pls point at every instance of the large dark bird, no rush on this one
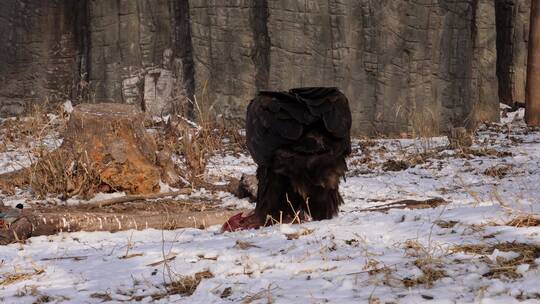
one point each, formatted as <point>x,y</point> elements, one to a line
<point>299,140</point>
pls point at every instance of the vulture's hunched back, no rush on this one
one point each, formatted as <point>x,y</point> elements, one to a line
<point>299,140</point>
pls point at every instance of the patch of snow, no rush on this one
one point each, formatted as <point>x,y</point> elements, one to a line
<point>506,255</point>
<point>67,107</point>
<point>105,196</point>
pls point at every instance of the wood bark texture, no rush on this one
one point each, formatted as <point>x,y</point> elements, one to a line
<point>114,142</point>
<point>532,108</point>
<point>32,224</point>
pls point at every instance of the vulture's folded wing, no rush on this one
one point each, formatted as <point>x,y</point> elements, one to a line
<point>297,119</point>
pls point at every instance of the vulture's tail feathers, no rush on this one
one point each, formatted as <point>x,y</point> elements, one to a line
<point>270,194</point>
<point>324,203</point>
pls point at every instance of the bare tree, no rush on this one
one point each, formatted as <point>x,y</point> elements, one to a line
<point>532,109</point>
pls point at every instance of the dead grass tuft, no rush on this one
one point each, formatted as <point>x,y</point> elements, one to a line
<point>195,143</point>
<point>498,171</point>
<point>57,172</point>
<point>105,297</point>
<point>430,274</point>
<point>460,138</point>
<point>503,268</point>
<point>445,224</point>
<point>430,266</point>
<point>187,285</point>
<point>484,152</point>
<point>395,165</point>
<point>524,221</point>
<point>12,278</point>
<point>365,144</point>
<point>43,299</point>
<point>298,234</point>
<point>26,132</point>
<point>243,245</point>
<point>265,294</point>
<point>184,285</point>
<point>16,277</point>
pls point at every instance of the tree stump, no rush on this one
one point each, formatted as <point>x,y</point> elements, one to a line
<point>111,139</point>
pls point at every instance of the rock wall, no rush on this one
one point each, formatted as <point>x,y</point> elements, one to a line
<point>406,66</point>
<point>512,38</point>
<point>39,52</point>
<point>132,52</point>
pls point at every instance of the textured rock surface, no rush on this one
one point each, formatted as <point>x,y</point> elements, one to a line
<point>39,52</point>
<point>512,38</point>
<point>406,66</point>
<point>131,59</point>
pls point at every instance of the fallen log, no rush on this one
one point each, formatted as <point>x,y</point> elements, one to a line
<point>53,221</point>
<point>36,224</point>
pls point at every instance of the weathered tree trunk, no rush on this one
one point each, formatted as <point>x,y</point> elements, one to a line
<point>36,224</point>
<point>532,109</point>
<point>113,140</point>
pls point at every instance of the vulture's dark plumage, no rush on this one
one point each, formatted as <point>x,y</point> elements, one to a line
<point>299,140</point>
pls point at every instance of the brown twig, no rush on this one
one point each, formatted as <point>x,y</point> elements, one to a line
<point>408,204</point>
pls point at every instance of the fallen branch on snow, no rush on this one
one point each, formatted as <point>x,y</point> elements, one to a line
<point>37,224</point>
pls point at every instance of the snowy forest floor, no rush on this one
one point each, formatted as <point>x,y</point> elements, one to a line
<point>481,247</point>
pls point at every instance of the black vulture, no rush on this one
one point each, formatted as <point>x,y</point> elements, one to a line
<point>299,140</point>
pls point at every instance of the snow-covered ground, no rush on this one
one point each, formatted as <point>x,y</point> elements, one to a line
<point>466,251</point>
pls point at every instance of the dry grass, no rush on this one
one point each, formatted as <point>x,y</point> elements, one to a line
<point>431,267</point>
<point>460,138</point>
<point>243,245</point>
<point>12,278</point>
<point>484,152</point>
<point>498,171</point>
<point>59,173</point>
<point>29,135</point>
<point>265,294</point>
<point>27,132</point>
<point>103,296</point>
<point>503,268</point>
<point>196,142</point>
<point>299,233</point>
<point>184,285</point>
<point>430,274</point>
<point>395,165</point>
<point>445,224</point>
<point>16,277</point>
<point>524,221</point>
<point>55,173</point>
